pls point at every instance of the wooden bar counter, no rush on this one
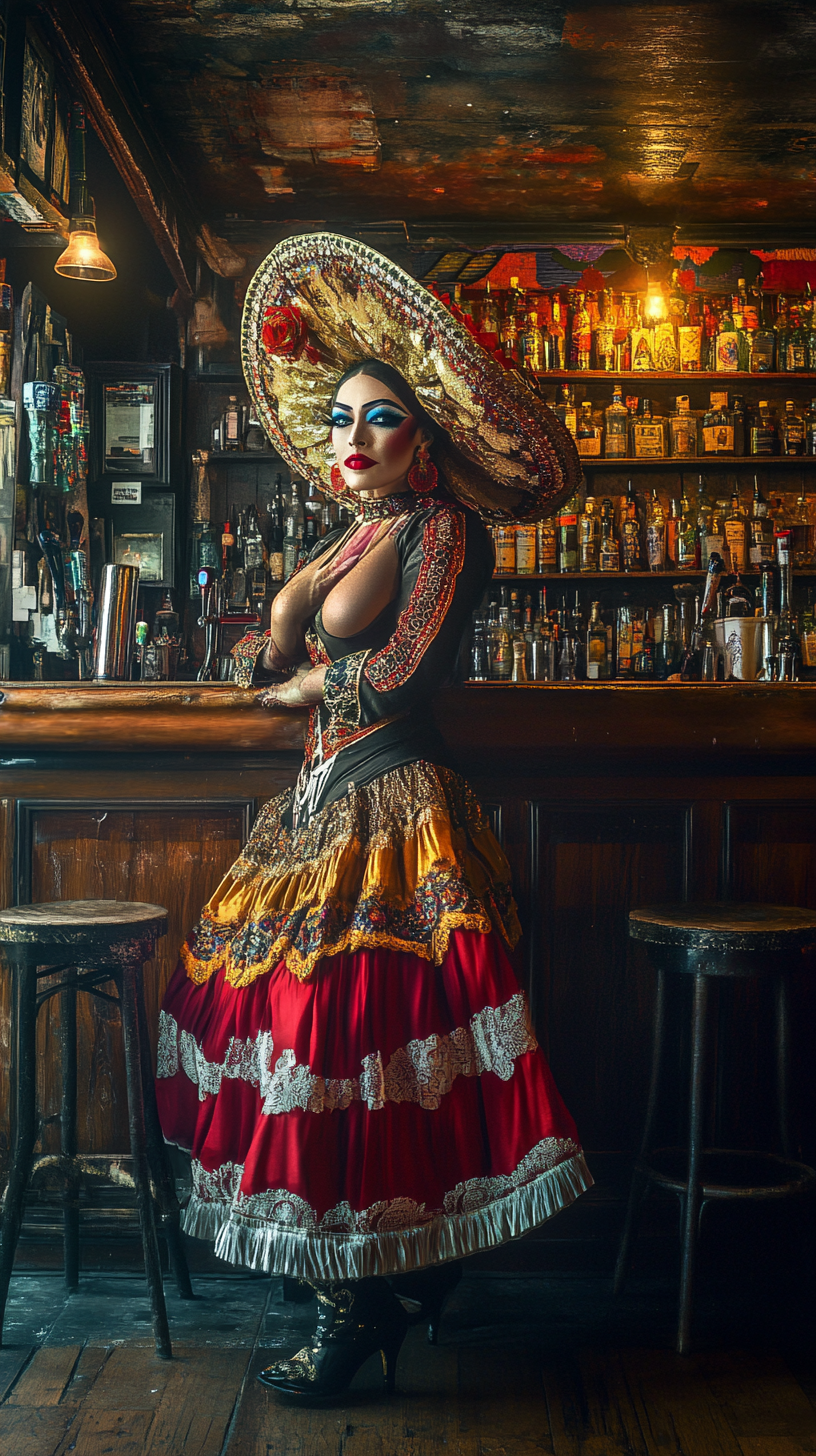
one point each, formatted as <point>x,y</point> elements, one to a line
<point>604,796</point>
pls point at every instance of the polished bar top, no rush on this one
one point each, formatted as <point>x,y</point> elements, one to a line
<point>714,719</point>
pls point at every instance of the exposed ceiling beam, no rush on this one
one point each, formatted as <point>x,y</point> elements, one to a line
<point>100,73</point>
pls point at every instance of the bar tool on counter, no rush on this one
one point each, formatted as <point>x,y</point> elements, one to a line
<point>116,623</point>
<point>211,605</point>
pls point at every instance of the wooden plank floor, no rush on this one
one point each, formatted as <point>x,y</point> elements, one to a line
<point>498,1385</point>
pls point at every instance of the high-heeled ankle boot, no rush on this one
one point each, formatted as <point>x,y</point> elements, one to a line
<point>354,1320</point>
<point>429,1288</point>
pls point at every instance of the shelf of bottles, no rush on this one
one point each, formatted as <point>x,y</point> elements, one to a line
<point>594,548</point>
<point>662,331</point>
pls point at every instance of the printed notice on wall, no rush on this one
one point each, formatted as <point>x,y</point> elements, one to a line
<point>126,493</point>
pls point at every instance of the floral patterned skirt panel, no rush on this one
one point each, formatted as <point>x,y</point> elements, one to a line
<point>345,1050</point>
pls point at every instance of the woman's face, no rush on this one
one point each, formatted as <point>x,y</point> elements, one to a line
<point>374,436</point>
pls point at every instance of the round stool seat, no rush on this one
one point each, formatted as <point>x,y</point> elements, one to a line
<point>83,923</point>
<point>724,926</point>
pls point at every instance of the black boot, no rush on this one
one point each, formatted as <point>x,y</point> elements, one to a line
<point>354,1320</point>
<point>429,1288</point>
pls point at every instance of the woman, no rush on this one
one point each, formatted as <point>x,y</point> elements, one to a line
<point>344,1046</point>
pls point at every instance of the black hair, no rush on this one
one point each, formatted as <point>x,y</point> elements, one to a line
<point>393,380</point>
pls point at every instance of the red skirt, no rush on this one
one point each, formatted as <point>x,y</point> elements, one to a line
<point>388,1110</point>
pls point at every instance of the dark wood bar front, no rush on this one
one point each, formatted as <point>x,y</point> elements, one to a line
<point>604,797</point>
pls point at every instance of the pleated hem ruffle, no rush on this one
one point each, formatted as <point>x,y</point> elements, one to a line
<point>304,1254</point>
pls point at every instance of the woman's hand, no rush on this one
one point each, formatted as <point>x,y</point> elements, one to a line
<point>305,688</point>
<point>301,597</point>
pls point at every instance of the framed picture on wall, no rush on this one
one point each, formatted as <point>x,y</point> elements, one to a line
<point>135,412</point>
<point>37,108</point>
<point>143,535</point>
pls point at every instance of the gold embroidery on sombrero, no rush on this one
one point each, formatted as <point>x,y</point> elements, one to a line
<point>443,555</point>
<point>399,863</point>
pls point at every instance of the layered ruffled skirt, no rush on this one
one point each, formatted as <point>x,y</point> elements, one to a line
<point>345,1050</point>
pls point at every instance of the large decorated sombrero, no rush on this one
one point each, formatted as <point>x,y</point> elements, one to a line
<point>321,302</point>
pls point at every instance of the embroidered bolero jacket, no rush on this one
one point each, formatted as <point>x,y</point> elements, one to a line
<point>379,681</point>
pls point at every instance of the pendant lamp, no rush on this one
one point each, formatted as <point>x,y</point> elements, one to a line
<point>83,258</point>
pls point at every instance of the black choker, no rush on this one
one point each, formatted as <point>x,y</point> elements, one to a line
<point>380,507</point>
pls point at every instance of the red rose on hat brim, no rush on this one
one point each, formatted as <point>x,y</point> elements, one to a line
<point>283,333</point>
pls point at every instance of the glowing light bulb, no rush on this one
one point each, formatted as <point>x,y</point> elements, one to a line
<point>655,304</point>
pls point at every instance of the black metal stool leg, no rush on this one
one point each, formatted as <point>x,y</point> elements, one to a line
<point>640,1182</point>
<point>24,1078</point>
<point>693,1195</point>
<point>68,1132</point>
<point>160,1169</point>
<point>783,1066</point>
<point>126,979</point>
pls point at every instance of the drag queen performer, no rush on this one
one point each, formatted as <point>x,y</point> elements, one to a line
<point>344,1046</point>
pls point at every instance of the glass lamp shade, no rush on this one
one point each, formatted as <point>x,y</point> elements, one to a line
<point>83,258</point>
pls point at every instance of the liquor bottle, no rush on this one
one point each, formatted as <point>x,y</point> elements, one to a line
<point>791,431</point>
<point>597,646</point>
<point>505,539</point>
<point>718,426</point>
<point>232,425</point>
<point>609,552</point>
<point>738,420</point>
<point>688,555</point>
<point>807,633</point>
<point>581,335</point>
<point>763,340</point>
<point>567,526</point>
<point>525,548</point>
<point>489,321</point>
<point>672,534</point>
<point>667,646</point>
<point>227,548</point>
<point>501,662</point>
<point>736,535</point>
<point>479,659</point>
<point>762,434</point>
<point>566,411</point>
<point>531,346</point>
<point>809,320</point>
<point>802,532</point>
<point>588,434</point>
<point>783,532</point>
<point>558,335</point>
<point>510,325</point>
<point>656,534</point>
<point>617,426</point>
<point>810,429</point>
<point>605,334</point>
<point>274,535</point>
<point>630,552</point>
<point>648,433</point>
<point>589,536</point>
<point>291,546</point>
<point>760,530</point>
<point>682,429</point>
<point>781,327</point>
<point>547,546</point>
<point>209,550</point>
<point>726,346</point>
<point>519,674</point>
<point>796,348</point>
<point>703,522</point>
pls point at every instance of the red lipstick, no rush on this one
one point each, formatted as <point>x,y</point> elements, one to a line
<point>359,462</point>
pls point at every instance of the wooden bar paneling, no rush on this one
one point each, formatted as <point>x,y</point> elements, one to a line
<point>603,799</point>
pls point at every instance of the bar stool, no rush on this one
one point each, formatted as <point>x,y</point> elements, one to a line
<point>707,942</point>
<point>82,945</point>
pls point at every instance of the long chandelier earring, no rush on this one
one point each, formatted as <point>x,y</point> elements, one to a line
<point>338,484</point>
<point>423,476</point>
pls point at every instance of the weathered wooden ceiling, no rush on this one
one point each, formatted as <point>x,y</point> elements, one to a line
<point>482,114</point>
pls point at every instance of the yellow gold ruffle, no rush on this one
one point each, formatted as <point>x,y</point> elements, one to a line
<point>400,863</point>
